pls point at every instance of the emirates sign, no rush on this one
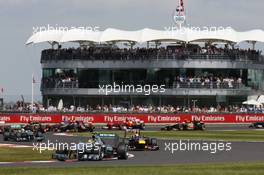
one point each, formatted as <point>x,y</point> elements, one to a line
<point>147,118</point>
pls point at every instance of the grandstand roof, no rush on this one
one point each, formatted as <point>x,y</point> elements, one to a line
<point>145,35</point>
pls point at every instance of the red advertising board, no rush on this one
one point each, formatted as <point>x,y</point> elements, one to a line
<point>147,118</point>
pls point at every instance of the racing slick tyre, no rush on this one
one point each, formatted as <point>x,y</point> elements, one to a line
<point>53,157</point>
<point>166,128</point>
<point>92,129</point>
<point>5,138</point>
<point>126,141</point>
<point>101,156</point>
<point>61,155</point>
<point>203,127</point>
<point>169,128</point>
<point>79,157</point>
<point>72,155</point>
<point>62,158</point>
<point>180,127</point>
<point>142,127</point>
<point>122,152</point>
<point>30,138</point>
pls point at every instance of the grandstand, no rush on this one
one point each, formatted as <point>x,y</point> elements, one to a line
<point>201,68</point>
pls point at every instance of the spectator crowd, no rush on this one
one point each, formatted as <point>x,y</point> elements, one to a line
<point>169,52</point>
<point>26,107</point>
<point>211,82</point>
<point>181,81</point>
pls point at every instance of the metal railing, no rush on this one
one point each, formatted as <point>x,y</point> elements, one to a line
<point>209,85</point>
<point>14,111</point>
<point>60,85</point>
<point>174,85</point>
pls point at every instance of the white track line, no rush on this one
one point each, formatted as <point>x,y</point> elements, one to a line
<point>14,146</point>
<point>131,155</point>
<point>32,162</point>
<point>54,161</point>
<point>63,134</point>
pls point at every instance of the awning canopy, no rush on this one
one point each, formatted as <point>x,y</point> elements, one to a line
<point>46,36</point>
<point>261,99</point>
<point>145,35</point>
<point>252,102</point>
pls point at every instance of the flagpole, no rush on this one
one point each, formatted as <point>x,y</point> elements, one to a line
<point>2,96</point>
<point>32,92</point>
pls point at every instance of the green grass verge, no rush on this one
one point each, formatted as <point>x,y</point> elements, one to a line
<point>243,135</point>
<point>22,154</point>
<point>249,135</point>
<point>187,169</point>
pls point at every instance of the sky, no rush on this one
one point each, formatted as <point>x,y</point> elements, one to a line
<point>18,17</point>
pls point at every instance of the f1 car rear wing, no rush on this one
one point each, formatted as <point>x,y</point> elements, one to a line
<point>15,126</point>
<point>107,135</point>
<point>109,139</point>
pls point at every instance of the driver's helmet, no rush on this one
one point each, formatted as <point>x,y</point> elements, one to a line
<point>136,134</point>
<point>130,123</point>
<point>90,141</point>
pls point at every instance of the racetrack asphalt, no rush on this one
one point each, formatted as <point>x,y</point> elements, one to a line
<point>240,152</point>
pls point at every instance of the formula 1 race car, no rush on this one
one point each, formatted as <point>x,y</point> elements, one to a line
<point>140,143</point>
<point>85,127</point>
<point>1,129</point>
<point>73,127</point>
<point>18,133</point>
<point>99,147</point>
<point>257,125</point>
<point>128,124</point>
<point>35,127</point>
<point>195,125</point>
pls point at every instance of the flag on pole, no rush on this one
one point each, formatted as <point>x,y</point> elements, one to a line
<point>32,92</point>
<point>182,3</point>
<point>33,80</point>
<point>182,6</point>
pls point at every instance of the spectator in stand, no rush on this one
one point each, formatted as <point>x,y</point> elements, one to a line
<point>26,107</point>
<point>175,52</point>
